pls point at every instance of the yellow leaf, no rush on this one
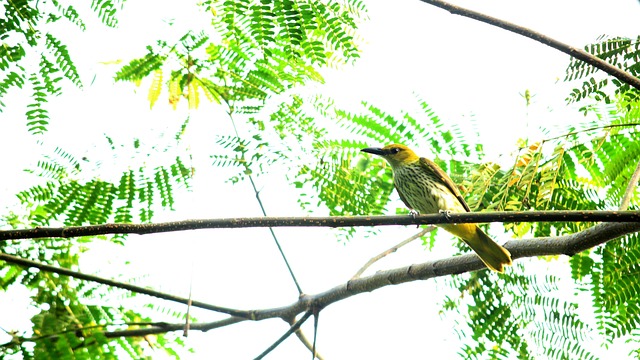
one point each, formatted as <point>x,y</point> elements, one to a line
<point>193,95</point>
<point>156,88</point>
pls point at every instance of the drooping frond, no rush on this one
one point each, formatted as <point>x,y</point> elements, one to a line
<point>345,190</point>
<point>620,52</point>
<point>613,283</point>
<point>140,68</point>
<point>37,116</point>
<point>70,200</point>
<point>62,59</point>
<point>516,316</point>
<point>70,13</point>
<point>12,79</point>
<point>568,172</point>
<point>67,198</point>
<point>106,10</point>
<point>32,54</point>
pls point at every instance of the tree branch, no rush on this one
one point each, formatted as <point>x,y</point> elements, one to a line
<point>631,187</point>
<point>150,329</point>
<point>567,49</point>
<point>568,245</point>
<point>303,339</point>
<point>230,112</point>
<point>295,327</point>
<point>204,327</point>
<point>330,221</point>
<point>392,249</point>
<point>133,288</point>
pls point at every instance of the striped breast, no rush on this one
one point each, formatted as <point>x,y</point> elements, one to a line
<point>423,190</point>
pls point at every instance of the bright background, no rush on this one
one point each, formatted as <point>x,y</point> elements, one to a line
<point>462,68</point>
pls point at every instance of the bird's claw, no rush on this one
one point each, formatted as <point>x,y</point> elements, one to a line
<point>414,213</point>
<point>446,213</point>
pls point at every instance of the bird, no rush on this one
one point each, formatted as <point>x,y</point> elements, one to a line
<point>424,187</point>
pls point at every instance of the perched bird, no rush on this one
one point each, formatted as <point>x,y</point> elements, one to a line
<point>424,187</point>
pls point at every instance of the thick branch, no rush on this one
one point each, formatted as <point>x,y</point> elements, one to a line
<point>567,245</point>
<point>331,221</point>
<point>577,53</point>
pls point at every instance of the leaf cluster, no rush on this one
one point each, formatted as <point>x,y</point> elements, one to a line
<point>253,51</point>
<point>621,52</point>
<point>68,323</point>
<point>33,56</point>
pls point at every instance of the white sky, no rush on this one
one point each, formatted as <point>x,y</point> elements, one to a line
<point>462,68</point>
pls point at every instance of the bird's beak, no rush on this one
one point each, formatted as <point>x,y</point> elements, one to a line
<point>375,151</point>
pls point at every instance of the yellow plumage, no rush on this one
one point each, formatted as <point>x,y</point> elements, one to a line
<point>424,187</point>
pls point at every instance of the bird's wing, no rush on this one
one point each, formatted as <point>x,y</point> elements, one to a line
<point>444,178</point>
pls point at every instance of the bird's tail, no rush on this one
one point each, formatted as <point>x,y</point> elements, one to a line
<point>491,254</point>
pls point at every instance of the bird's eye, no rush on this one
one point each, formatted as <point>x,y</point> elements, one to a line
<point>395,150</point>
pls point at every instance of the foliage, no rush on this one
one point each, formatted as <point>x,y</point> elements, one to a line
<point>609,272</point>
<point>580,169</point>
<point>621,52</point>
<point>516,316</point>
<point>257,52</point>
<point>66,199</point>
<point>31,52</point>
<point>375,127</point>
<point>68,323</point>
<point>243,60</point>
<point>266,49</point>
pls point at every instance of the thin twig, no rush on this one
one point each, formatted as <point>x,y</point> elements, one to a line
<point>608,127</point>
<point>173,327</point>
<point>631,187</point>
<point>577,53</point>
<point>303,339</point>
<point>291,330</point>
<point>392,249</point>
<point>136,289</point>
<point>316,318</point>
<point>329,221</point>
<point>264,212</point>
<point>187,321</point>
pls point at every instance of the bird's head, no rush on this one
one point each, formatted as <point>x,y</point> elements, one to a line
<point>395,154</point>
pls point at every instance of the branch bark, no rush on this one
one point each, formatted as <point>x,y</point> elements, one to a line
<point>577,53</point>
<point>392,249</point>
<point>631,187</point>
<point>116,284</point>
<point>568,245</point>
<point>330,221</point>
<point>563,245</point>
<point>295,327</point>
<point>310,346</point>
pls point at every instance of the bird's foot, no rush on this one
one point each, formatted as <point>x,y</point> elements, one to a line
<point>446,213</point>
<point>414,213</point>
